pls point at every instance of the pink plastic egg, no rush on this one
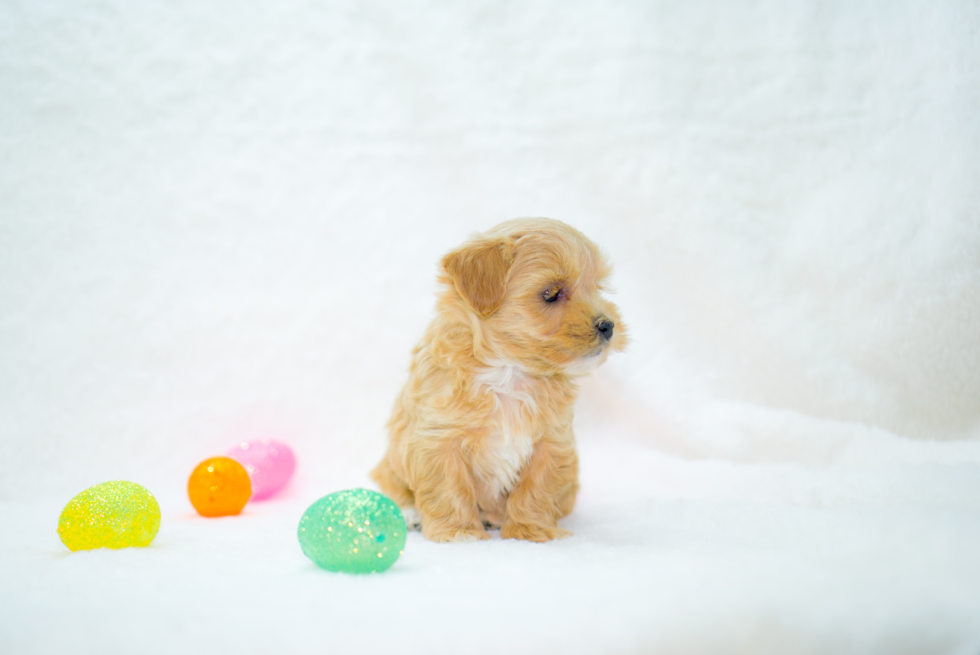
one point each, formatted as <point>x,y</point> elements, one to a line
<point>269,463</point>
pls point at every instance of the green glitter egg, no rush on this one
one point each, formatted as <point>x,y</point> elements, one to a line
<point>354,531</point>
<point>110,515</point>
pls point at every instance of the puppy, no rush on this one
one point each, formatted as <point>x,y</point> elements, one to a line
<point>481,435</point>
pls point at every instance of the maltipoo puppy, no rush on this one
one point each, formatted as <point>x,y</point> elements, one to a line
<point>481,435</point>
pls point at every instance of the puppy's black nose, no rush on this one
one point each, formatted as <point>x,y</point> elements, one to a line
<point>605,328</point>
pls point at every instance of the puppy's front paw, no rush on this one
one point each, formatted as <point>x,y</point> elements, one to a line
<point>532,532</point>
<point>457,535</point>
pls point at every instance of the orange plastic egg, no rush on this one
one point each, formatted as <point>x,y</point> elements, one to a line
<point>219,487</point>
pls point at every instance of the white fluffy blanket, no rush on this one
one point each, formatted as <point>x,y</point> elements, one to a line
<point>221,220</point>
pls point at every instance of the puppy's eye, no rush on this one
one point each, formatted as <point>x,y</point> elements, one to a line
<point>552,294</point>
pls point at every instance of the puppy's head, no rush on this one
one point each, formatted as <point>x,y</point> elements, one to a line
<point>533,290</point>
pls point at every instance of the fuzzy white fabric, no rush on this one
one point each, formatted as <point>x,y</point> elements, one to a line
<point>221,220</point>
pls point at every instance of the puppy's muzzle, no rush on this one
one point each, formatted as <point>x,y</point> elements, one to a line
<point>604,327</point>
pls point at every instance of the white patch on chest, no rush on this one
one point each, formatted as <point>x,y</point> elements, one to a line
<point>509,443</point>
<point>508,383</point>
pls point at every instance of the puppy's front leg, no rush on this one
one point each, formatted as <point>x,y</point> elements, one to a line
<point>545,492</point>
<point>444,494</point>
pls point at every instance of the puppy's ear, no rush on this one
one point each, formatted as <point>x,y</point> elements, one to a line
<point>479,270</point>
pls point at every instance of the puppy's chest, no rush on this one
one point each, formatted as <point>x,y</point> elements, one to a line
<point>509,429</point>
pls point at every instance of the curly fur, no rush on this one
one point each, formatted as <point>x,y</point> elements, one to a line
<point>481,435</point>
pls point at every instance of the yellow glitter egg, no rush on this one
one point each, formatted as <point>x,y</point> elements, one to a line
<point>110,515</point>
<point>219,487</point>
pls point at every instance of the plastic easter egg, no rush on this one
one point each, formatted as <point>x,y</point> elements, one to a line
<point>219,487</point>
<point>353,531</point>
<point>115,514</point>
<point>269,463</point>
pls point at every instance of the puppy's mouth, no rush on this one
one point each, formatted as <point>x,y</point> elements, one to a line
<point>590,361</point>
<point>596,352</point>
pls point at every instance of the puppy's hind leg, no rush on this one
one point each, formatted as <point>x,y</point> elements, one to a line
<point>492,513</point>
<point>396,489</point>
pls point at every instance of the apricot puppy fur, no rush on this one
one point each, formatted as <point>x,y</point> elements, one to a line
<point>481,435</point>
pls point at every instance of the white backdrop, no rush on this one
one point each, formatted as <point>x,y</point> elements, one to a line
<point>222,220</point>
